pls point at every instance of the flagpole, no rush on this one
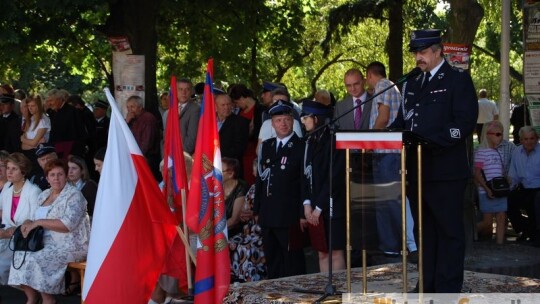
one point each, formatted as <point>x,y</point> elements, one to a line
<point>189,255</point>
<point>183,236</point>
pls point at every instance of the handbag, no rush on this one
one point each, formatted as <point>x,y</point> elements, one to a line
<point>33,242</point>
<point>499,185</point>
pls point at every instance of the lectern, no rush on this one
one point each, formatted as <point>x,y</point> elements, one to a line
<point>361,146</point>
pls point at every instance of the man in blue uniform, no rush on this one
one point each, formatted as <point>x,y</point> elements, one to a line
<point>278,196</point>
<point>439,106</point>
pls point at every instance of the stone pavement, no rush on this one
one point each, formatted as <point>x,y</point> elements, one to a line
<point>512,267</point>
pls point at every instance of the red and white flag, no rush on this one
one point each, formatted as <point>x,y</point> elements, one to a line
<point>132,228</point>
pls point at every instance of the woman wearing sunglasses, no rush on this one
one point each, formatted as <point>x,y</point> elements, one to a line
<point>492,159</point>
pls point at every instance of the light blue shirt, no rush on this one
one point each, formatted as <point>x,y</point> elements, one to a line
<point>525,168</point>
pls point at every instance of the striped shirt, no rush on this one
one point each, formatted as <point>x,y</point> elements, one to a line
<point>392,99</point>
<point>490,161</point>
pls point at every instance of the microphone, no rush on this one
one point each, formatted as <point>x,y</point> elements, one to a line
<point>411,74</point>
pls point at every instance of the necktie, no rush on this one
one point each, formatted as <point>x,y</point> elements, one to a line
<point>279,146</point>
<point>425,81</point>
<point>357,113</point>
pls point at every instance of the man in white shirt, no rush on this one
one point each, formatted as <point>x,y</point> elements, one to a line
<point>487,111</point>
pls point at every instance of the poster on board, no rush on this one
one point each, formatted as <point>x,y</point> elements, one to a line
<point>128,72</point>
<point>457,55</point>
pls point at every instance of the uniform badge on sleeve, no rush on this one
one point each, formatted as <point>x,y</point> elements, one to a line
<point>455,133</point>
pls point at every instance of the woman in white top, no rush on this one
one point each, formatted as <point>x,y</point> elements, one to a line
<point>36,128</point>
<point>18,201</point>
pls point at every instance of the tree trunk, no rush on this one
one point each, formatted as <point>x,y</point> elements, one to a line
<point>395,40</point>
<point>136,19</point>
<point>464,19</point>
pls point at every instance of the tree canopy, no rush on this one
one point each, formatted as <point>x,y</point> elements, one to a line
<point>307,44</point>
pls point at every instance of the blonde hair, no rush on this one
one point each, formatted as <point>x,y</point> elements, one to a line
<point>488,126</point>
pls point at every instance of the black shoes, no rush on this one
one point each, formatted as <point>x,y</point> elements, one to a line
<point>392,254</point>
<point>413,257</point>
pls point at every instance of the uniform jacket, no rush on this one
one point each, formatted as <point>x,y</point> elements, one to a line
<point>316,186</point>
<point>10,133</point>
<point>102,132</point>
<point>278,196</point>
<point>444,113</point>
<point>347,122</point>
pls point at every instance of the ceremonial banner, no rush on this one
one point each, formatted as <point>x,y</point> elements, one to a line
<point>206,206</point>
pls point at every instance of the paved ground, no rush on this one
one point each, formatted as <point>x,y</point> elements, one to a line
<point>512,258</point>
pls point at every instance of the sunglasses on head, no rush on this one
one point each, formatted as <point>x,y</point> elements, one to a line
<point>495,133</point>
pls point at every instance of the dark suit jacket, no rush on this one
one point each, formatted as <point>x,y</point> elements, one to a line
<point>347,122</point>
<point>278,196</point>
<point>444,113</point>
<point>67,124</point>
<point>10,133</point>
<point>233,137</point>
<point>189,124</point>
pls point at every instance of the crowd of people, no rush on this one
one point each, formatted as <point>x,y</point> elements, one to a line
<point>284,185</point>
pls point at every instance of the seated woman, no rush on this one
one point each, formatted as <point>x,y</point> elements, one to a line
<point>62,213</point>
<point>79,177</point>
<point>246,247</point>
<point>234,190</point>
<point>18,201</point>
<point>98,159</point>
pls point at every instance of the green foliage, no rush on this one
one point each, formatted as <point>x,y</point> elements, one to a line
<point>486,66</point>
<point>45,44</point>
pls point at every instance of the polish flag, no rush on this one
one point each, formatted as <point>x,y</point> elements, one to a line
<point>132,229</point>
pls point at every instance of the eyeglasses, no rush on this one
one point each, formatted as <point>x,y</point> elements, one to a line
<point>498,134</point>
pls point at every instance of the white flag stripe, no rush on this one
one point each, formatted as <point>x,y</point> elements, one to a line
<point>369,136</point>
<point>115,192</point>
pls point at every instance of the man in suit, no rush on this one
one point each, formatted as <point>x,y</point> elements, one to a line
<point>189,114</point>
<point>359,118</point>
<point>233,129</point>
<point>10,125</point>
<point>278,195</point>
<point>67,128</point>
<point>440,107</point>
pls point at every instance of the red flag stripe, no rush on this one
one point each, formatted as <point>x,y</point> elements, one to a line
<point>116,281</point>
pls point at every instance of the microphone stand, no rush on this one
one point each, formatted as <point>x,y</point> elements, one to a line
<point>330,289</point>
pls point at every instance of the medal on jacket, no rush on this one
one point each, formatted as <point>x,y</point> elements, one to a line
<point>283,162</point>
